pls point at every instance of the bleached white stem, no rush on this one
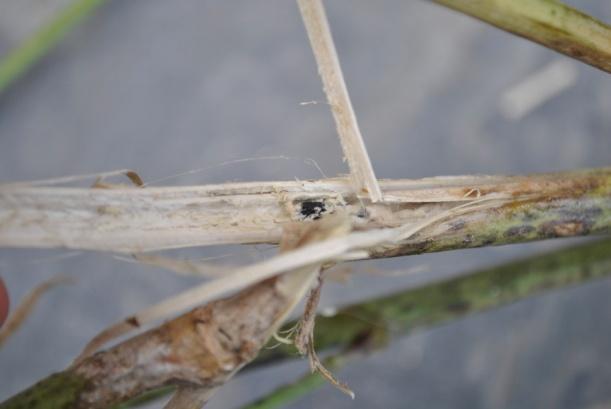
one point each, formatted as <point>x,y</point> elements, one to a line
<point>319,33</point>
<point>132,220</point>
<point>302,263</point>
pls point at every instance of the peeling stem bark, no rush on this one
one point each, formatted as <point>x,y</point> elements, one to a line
<point>133,220</point>
<point>411,310</point>
<point>405,311</point>
<point>202,348</point>
<point>184,350</point>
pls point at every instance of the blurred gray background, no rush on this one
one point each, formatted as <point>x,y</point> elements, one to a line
<point>165,87</point>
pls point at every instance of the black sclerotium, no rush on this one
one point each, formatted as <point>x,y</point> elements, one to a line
<point>312,209</point>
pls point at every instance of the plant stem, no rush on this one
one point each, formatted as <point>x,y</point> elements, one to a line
<point>399,314</point>
<point>307,383</point>
<point>547,22</point>
<point>330,71</point>
<point>411,310</point>
<point>21,58</point>
<point>438,302</point>
<point>134,220</point>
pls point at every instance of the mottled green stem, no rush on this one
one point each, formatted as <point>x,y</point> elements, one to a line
<point>380,320</point>
<point>21,58</point>
<point>547,22</point>
<point>438,302</point>
<point>416,309</point>
<point>555,205</point>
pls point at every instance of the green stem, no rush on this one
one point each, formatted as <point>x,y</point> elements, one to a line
<point>437,303</point>
<point>21,58</point>
<point>547,22</point>
<point>414,309</point>
<point>406,311</point>
<point>308,382</point>
<point>399,314</point>
<point>288,393</point>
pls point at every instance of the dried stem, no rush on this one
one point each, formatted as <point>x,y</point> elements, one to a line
<point>355,152</point>
<point>136,220</point>
<point>299,272</point>
<point>203,348</point>
<point>25,307</point>
<point>399,314</point>
<point>185,349</point>
<point>333,247</point>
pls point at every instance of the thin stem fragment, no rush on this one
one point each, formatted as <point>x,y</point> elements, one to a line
<point>27,305</point>
<point>321,40</point>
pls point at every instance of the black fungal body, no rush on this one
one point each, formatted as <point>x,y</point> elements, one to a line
<point>312,209</point>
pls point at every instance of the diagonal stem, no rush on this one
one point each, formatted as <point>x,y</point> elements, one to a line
<point>400,314</point>
<point>25,55</point>
<point>355,152</point>
<point>550,23</point>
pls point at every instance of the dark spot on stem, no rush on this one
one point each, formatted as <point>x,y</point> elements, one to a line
<point>362,339</point>
<point>226,335</point>
<point>312,209</point>
<point>362,213</point>
<point>133,321</point>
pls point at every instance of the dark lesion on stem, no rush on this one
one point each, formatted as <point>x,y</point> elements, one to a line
<point>312,209</point>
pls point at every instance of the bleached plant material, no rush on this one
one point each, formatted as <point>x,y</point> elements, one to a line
<point>371,325</point>
<point>554,208</point>
<point>355,152</point>
<point>377,320</point>
<point>292,286</point>
<point>304,339</point>
<point>208,345</point>
<point>532,206</point>
<point>133,220</point>
<point>331,232</point>
<point>27,305</point>
<point>317,251</point>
